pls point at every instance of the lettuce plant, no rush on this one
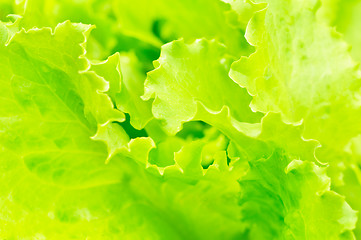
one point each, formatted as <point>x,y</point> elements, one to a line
<point>202,119</point>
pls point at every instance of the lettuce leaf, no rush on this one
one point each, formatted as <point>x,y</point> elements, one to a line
<point>99,142</point>
<point>285,199</point>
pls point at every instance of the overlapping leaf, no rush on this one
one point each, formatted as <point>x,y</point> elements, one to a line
<point>189,159</point>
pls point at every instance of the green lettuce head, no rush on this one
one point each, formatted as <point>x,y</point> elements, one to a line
<point>202,119</point>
